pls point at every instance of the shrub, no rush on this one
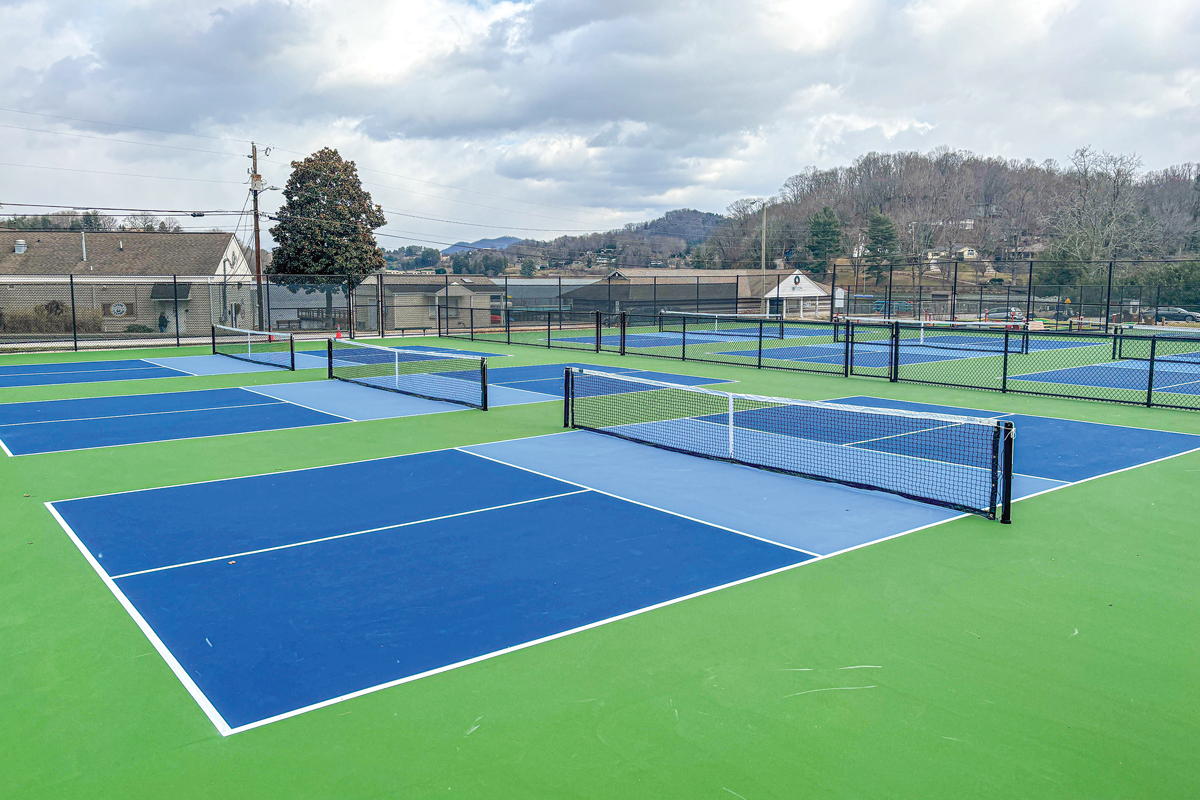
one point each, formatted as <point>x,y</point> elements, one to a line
<point>135,328</point>
<point>52,317</point>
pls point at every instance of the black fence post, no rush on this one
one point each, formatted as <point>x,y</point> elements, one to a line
<point>1029,295</point>
<point>654,290</point>
<point>760,337</point>
<point>1150,377</point>
<point>624,325</point>
<point>697,294</point>
<point>849,354</point>
<point>74,324</point>
<point>895,371</point>
<point>1004,365</point>
<point>1108,297</point>
<point>472,313</point>
<point>214,340</point>
<point>349,307</point>
<point>175,293</point>
<point>329,352</point>
<point>683,340</point>
<point>507,319</point>
<point>549,328</point>
<point>954,294</point>
<point>599,325</point>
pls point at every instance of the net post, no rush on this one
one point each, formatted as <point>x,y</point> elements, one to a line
<point>292,351</point>
<point>483,382</point>
<point>760,335</point>
<point>214,339</point>
<point>472,313</point>
<point>507,319</point>
<point>1116,338</point>
<point>683,339</point>
<point>329,350</point>
<point>1150,373</point>
<point>549,328</point>
<point>730,417</point>
<point>567,397</point>
<point>1004,365</point>
<point>624,323</point>
<point>1009,433</point>
<point>598,323</point>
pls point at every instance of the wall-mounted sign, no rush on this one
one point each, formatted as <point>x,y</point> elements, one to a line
<point>118,309</point>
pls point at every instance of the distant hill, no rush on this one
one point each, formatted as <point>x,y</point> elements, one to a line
<point>499,243</point>
<point>685,223</point>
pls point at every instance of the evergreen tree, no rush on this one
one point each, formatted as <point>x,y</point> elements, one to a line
<point>824,239</point>
<point>325,228</point>
<point>528,268</point>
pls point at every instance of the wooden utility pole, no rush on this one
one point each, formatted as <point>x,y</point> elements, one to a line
<point>766,303</point>
<point>256,186</point>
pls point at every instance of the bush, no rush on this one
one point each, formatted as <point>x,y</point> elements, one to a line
<point>53,317</point>
<point>135,328</point>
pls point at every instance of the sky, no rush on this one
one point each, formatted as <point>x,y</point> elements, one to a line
<point>535,119</point>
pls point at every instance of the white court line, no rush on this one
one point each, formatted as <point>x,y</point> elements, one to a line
<point>207,707</point>
<point>347,535</point>
<point>634,502</point>
<point>164,366</point>
<point>303,469</point>
<point>225,730</point>
<point>4,447</point>
<point>137,414</point>
<point>301,405</point>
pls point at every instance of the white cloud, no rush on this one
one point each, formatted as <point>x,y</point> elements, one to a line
<point>617,109</point>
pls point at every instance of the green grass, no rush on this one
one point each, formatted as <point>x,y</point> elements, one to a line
<point>1052,658</point>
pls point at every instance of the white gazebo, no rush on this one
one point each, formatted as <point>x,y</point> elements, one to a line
<point>795,295</point>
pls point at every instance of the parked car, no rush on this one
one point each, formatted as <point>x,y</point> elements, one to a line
<point>1004,314</point>
<point>1175,314</point>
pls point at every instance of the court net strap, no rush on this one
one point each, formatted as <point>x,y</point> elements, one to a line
<point>448,377</point>
<point>958,462</point>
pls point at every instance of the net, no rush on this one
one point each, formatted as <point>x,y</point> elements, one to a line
<point>261,347</point>
<point>1160,343</point>
<point>448,377</point>
<point>738,326</point>
<point>963,463</point>
<point>983,337</point>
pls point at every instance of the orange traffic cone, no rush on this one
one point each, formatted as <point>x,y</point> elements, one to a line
<point>339,332</point>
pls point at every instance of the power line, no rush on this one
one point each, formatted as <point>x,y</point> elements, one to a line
<point>123,125</point>
<point>135,210</point>
<point>123,174</point>
<point>121,141</point>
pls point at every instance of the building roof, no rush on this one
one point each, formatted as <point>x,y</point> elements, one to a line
<point>796,285</point>
<point>114,253</point>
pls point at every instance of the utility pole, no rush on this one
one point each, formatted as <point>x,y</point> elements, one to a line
<point>256,186</point>
<point>766,302</point>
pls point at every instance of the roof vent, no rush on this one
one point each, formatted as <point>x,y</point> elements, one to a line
<point>120,245</point>
<point>20,246</point>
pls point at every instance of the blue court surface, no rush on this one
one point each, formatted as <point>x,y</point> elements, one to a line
<point>694,336</point>
<point>1173,377</point>
<point>546,380</point>
<point>309,348</point>
<point>78,424</point>
<point>878,354</point>
<point>265,610</point>
<point>172,367</point>
<point>85,372</point>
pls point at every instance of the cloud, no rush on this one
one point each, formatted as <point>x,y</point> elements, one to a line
<point>615,109</point>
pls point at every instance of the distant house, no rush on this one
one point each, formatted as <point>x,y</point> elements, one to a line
<point>966,253</point>
<point>123,279</point>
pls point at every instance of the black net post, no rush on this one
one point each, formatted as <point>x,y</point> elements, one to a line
<point>549,328</point>
<point>214,340</point>
<point>567,397</point>
<point>624,324</point>
<point>175,294</point>
<point>954,293</point>
<point>507,319</point>
<point>350,307</point>
<point>292,351</point>
<point>472,314</point>
<point>1150,375</point>
<point>599,324</point>
<point>74,324</point>
<point>683,339</point>
<point>483,383</point>
<point>379,302</point>
<point>1009,432</point>
<point>760,335</point>
<point>329,350</point>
